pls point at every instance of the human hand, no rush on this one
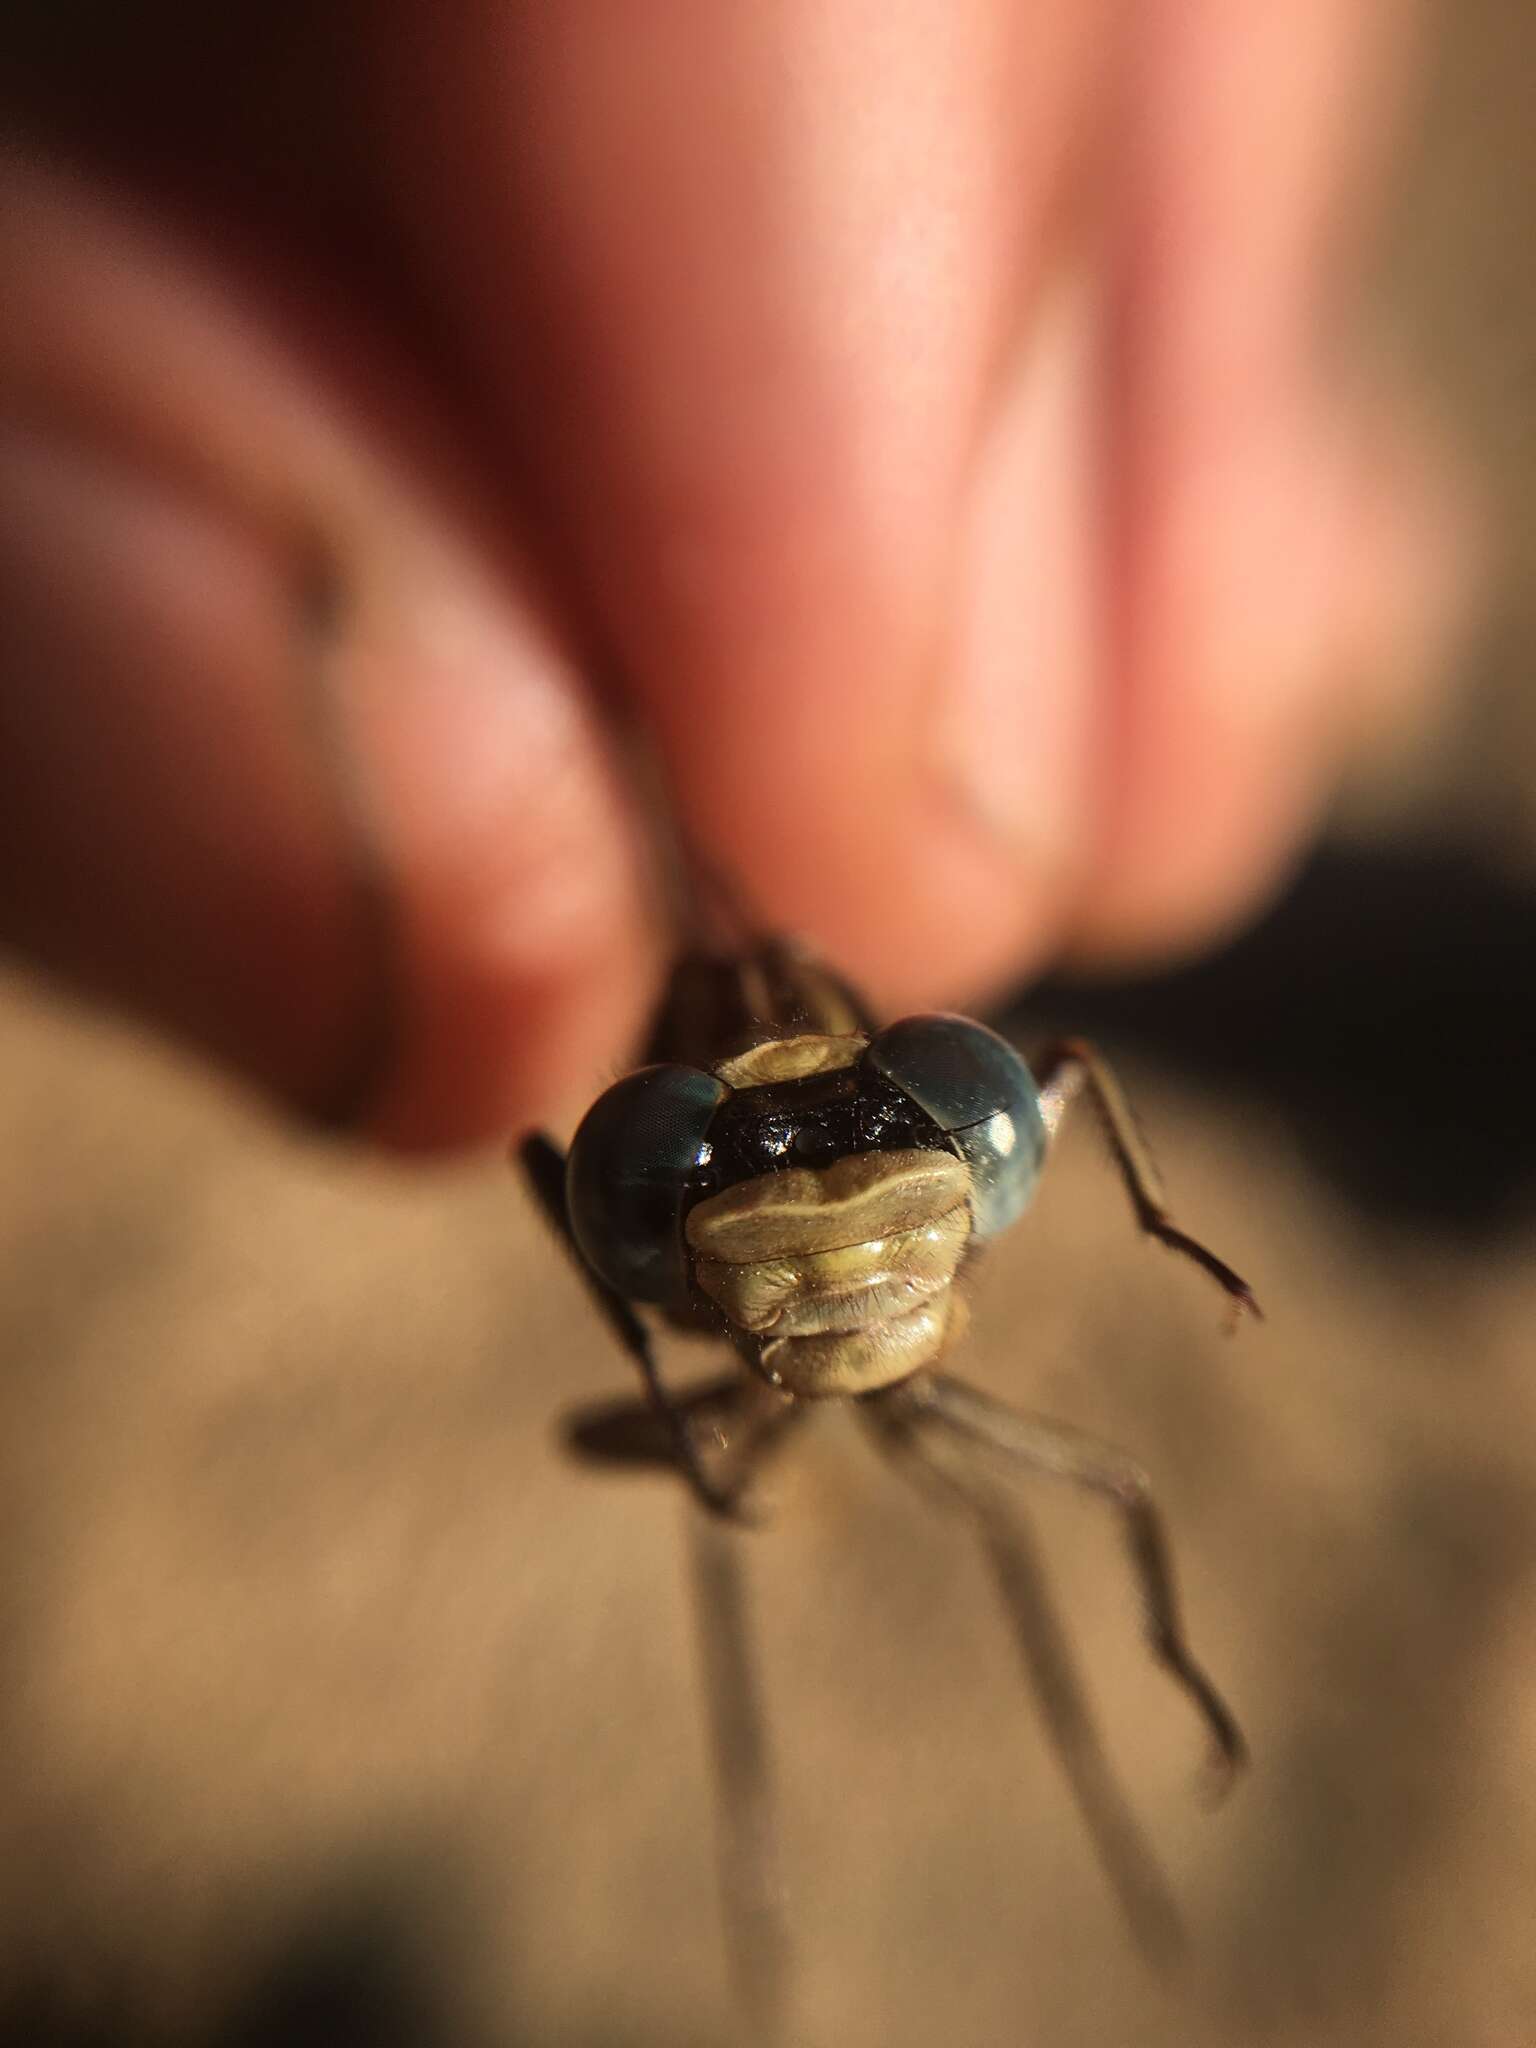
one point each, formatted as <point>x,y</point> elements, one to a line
<point>938,425</point>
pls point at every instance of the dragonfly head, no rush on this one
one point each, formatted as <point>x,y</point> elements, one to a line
<point>849,1173</point>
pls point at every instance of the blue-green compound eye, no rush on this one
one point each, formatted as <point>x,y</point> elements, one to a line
<point>975,1087</point>
<point>629,1167</point>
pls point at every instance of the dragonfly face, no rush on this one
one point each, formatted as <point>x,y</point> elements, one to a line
<point>818,1191</point>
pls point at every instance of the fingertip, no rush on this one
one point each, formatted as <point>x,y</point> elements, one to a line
<point>525,936</point>
<point>1297,607</point>
<point>1241,550</point>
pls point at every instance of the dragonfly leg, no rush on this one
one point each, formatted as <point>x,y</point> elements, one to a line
<point>945,1464</point>
<point>543,1164</point>
<point>1061,1452</point>
<point>746,1418</point>
<point>1064,1070</point>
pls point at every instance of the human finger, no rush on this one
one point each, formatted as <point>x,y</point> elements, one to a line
<point>298,763</point>
<point>1265,582</point>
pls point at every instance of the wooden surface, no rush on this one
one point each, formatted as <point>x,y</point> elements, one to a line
<point>319,1656</point>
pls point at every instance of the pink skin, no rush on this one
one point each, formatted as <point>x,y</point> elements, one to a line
<point>935,424</point>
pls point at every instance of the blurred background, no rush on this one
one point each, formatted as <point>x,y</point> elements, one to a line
<point>337,1704</point>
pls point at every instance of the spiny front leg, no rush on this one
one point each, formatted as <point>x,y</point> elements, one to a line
<point>947,1463</point>
<point>1063,1071</point>
<point>1061,1452</point>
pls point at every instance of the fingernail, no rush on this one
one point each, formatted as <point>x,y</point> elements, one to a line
<point>1019,703</point>
<point>1252,556</point>
<point>1227,671</point>
<point>1424,550</point>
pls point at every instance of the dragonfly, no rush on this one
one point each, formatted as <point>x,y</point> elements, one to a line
<point>790,1178</point>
